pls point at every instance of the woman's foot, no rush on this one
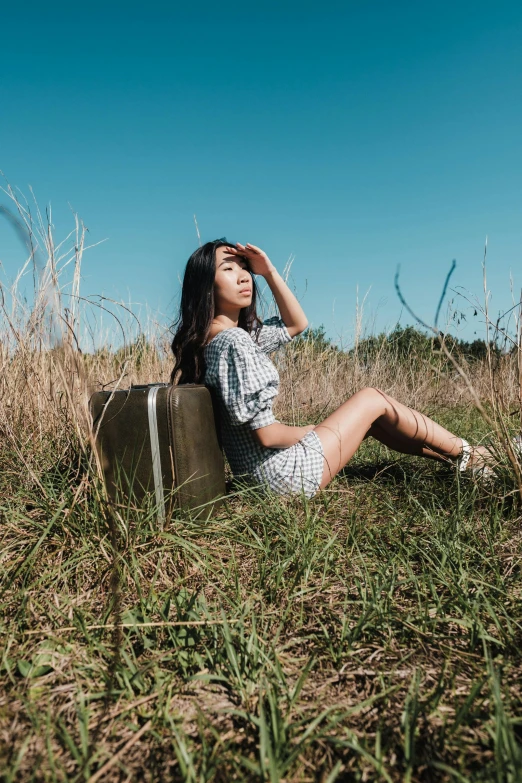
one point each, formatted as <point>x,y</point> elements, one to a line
<point>481,457</point>
<point>480,460</point>
<point>477,460</point>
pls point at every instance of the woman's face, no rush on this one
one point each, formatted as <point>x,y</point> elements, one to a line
<point>233,283</point>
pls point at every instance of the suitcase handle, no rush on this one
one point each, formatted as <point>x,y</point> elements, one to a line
<point>147,385</point>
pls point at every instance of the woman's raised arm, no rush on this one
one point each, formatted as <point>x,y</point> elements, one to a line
<point>291,311</point>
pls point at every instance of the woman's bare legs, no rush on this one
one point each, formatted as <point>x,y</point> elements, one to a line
<point>371,412</point>
<point>402,444</point>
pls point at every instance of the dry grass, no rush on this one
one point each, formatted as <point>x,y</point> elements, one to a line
<point>373,633</point>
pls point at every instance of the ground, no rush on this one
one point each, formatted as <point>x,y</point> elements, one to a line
<point>372,633</point>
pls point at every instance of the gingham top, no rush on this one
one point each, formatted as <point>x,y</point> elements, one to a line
<point>246,382</point>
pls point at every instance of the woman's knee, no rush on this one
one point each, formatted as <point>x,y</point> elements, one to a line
<point>368,390</point>
<point>372,396</point>
<point>375,402</point>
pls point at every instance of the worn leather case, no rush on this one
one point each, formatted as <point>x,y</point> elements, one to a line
<point>160,439</point>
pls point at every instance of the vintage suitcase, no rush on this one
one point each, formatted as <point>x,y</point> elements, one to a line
<point>157,439</point>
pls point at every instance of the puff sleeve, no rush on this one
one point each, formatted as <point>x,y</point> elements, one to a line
<point>272,335</point>
<point>247,383</point>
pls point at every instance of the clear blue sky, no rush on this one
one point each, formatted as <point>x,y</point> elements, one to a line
<point>355,135</point>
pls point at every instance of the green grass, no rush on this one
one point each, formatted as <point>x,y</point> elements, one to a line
<point>373,633</point>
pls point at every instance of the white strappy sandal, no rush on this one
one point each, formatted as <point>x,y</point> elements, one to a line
<point>517,444</point>
<point>465,457</point>
<point>484,472</point>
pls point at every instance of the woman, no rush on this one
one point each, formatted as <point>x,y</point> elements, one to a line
<point>220,341</point>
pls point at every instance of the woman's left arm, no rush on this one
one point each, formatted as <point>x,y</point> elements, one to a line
<point>291,311</point>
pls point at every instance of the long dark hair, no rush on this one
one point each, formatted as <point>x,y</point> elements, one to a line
<point>196,312</point>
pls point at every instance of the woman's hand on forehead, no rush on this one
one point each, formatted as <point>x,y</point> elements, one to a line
<point>258,260</point>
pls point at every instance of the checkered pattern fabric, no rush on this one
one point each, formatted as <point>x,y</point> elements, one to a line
<point>246,382</point>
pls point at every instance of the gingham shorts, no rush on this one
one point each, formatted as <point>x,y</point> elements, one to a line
<point>296,470</point>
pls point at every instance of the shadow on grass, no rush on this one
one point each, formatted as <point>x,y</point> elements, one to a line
<point>397,472</point>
